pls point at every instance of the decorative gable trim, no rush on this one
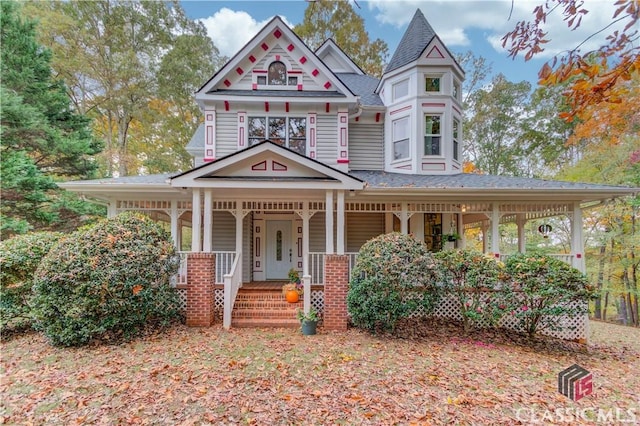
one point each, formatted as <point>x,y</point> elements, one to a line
<point>210,135</point>
<point>329,51</point>
<point>435,53</point>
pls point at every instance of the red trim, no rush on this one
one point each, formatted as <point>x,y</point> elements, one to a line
<point>299,86</point>
<point>260,71</point>
<point>252,58</point>
<point>327,107</point>
<point>357,119</point>
<point>438,56</point>
<point>327,85</point>
<point>261,166</point>
<point>377,117</point>
<point>294,72</point>
<point>290,47</point>
<point>343,161</point>
<point>264,46</point>
<point>278,167</point>
<point>400,110</point>
<point>266,106</point>
<point>227,83</point>
<point>286,106</point>
<point>315,72</point>
<point>277,57</point>
<point>303,60</point>
<point>254,86</point>
<point>433,104</point>
<point>226,105</point>
<point>277,33</point>
<point>239,71</point>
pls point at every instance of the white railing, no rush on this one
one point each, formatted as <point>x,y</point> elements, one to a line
<point>232,282</point>
<point>224,261</point>
<point>316,266</point>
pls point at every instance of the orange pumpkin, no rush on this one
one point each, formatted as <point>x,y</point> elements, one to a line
<point>292,296</point>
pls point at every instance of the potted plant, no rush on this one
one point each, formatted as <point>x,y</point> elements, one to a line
<point>294,289</point>
<point>453,236</point>
<point>308,321</point>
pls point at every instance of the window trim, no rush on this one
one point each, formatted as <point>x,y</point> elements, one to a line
<point>456,127</point>
<point>267,118</point>
<point>400,83</point>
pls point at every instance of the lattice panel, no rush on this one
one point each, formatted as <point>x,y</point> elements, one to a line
<point>317,300</point>
<point>182,297</point>
<point>218,302</point>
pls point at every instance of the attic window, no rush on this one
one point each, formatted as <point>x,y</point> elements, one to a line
<point>277,74</point>
<point>432,84</point>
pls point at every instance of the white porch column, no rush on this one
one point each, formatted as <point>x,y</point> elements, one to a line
<point>207,242</point>
<point>329,222</point>
<point>340,223</point>
<point>174,224</point>
<point>577,239</point>
<point>495,230</point>
<point>112,209</point>
<point>196,221</point>
<point>416,226</point>
<point>521,222</point>
<point>305,215</point>
<point>484,230</point>
<point>404,219</point>
<point>179,236</point>
<point>460,226</point>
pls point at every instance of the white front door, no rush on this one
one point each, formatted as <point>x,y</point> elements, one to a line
<point>279,249</point>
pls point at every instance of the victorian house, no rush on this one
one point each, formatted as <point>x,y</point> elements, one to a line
<point>302,157</point>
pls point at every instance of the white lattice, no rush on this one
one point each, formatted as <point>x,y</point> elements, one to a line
<point>218,302</point>
<point>317,300</point>
<point>182,298</point>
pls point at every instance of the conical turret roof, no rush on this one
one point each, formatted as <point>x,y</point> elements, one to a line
<point>418,35</point>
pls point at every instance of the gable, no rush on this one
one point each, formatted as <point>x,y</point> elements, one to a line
<point>335,58</point>
<point>436,53</point>
<point>276,42</point>
<point>266,165</point>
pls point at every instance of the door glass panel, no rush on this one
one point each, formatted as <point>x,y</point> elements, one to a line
<point>279,246</point>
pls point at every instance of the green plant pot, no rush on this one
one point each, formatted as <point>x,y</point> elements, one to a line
<point>309,327</point>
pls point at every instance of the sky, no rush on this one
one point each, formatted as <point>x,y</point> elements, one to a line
<point>463,25</point>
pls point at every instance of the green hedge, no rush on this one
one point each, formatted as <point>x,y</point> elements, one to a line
<point>107,282</point>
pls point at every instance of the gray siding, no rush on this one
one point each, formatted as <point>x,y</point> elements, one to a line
<point>366,146</point>
<point>224,231</point>
<point>226,133</point>
<point>327,129</point>
<point>361,227</point>
<point>316,233</point>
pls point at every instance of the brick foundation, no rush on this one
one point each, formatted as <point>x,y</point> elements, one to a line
<point>201,273</point>
<point>336,286</point>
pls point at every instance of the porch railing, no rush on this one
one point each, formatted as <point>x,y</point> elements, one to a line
<point>224,261</point>
<point>316,266</point>
<point>232,282</point>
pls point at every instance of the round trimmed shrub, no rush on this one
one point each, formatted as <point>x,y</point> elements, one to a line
<point>19,259</point>
<point>106,281</point>
<point>394,277</point>
<point>544,290</point>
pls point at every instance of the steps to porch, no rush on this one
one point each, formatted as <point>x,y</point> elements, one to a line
<point>263,305</point>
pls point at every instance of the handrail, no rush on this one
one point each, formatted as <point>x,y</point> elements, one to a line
<point>232,282</point>
<point>224,262</point>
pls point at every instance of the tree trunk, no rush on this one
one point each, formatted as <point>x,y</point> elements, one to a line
<point>600,282</point>
<point>606,304</point>
<point>622,309</point>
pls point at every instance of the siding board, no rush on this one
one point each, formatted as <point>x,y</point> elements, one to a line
<point>366,146</point>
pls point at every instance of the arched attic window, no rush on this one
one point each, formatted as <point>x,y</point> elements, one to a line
<point>277,73</point>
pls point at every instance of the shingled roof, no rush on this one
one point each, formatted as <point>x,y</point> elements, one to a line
<point>418,35</point>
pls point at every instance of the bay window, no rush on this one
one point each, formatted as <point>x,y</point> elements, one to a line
<point>432,134</point>
<point>400,137</point>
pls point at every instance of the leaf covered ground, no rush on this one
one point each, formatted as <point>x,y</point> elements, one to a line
<point>431,374</point>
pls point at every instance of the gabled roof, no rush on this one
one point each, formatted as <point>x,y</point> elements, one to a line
<point>275,32</point>
<point>266,166</point>
<point>363,86</point>
<point>418,35</point>
<point>335,58</point>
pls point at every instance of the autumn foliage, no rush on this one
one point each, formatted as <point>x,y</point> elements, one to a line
<point>106,282</point>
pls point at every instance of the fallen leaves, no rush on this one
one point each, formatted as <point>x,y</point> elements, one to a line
<point>433,375</point>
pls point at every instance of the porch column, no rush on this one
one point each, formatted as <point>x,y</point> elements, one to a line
<point>201,272</point>
<point>329,222</point>
<point>305,215</point>
<point>495,230</point>
<point>112,208</point>
<point>484,228</point>
<point>196,221</point>
<point>404,219</point>
<point>460,226</point>
<point>207,242</point>
<point>174,224</point>
<point>576,238</point>
<point>340,223</point>
<point>179,236</point>
<point>336,286</point>
<point>521,222</point>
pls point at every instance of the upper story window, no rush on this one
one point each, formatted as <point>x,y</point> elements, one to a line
<point>432,83</point>
<point>457,92</point>
<point>277,75</point>
<point>400,138</point>
<point>401,89</point>
<point>286,131</point>
<point>456,139</point>
<point>432,134</point>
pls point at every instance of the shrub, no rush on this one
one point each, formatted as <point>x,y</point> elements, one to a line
<point>106,281</point>
<point>393,278</point>
<point>19,259</point>
<point>473,280</point>
<point>545,289</point>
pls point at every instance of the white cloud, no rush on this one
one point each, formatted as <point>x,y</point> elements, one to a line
<point>230,30</point>
<point>453,19</point>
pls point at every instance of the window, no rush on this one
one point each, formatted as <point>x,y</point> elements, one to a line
<point>457,92</point>
<point>432,135</point>
<point>400,130</point>
<point>262,79</point>
<point>432,84</point>
<point>290,132</point>
<point>277,74</point>
<point>292,81</point>
<point>456,138</point>
<point>401,89</point>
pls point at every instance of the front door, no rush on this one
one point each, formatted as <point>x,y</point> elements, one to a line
<point>279,249</point>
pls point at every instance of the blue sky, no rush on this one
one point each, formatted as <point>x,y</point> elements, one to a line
<point>463,25</point>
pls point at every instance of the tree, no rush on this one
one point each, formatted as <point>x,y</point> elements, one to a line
<point>493,132</point>
<point>113,55</point>
<point>43,138</point>
<point>596,76</point>
<point>338,20</point>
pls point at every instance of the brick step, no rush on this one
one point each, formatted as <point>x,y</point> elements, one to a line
<point>264,313</point>
<point>264,322</point>
<point>256,305</point>
<point>261,296</point>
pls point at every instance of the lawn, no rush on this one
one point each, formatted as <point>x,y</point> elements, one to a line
<point>434,374</point>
